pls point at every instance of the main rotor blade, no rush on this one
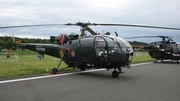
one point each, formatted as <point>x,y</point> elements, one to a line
<point>149,37</point>
<point>31,25</point>
<point>144,26</point>
<point>94,24</point>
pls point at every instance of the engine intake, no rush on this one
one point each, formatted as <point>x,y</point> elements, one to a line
<point>59,39</point>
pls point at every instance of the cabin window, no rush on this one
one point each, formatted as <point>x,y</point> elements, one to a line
<point>110,42</point>
<point>125,43</point>
<point>99,42</point>
<point>119,42</point>
<point>86,42</point>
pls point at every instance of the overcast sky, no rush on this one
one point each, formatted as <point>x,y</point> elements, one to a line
<point>144,12</point>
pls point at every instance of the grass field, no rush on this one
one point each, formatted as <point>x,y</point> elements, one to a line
<point>30,64</point>
<point>140,57</point>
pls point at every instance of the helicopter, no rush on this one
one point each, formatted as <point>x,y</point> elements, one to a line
<point>163,50</point>
<point>83,52</point>
<point>166,49</point>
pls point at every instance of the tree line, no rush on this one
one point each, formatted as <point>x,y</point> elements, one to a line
<point>138,43</point>
<point>6,41</point>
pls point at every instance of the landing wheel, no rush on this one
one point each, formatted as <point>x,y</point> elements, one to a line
<point>115,74</point>
<point>82,68</point>
<point>54,70</point>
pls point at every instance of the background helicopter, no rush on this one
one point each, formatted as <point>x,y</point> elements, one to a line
<point>165,49</point>
<point>96,51</point>
<point>162,50</point>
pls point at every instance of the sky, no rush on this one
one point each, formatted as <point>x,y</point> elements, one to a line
<point>142,12</point>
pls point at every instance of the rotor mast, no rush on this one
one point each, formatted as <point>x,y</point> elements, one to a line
<point>83,27</point>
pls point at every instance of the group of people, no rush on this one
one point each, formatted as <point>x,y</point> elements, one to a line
<point>40,55</point>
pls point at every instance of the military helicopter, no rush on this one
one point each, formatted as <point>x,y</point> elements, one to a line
<point>166,49</point>
<point>82,51</point>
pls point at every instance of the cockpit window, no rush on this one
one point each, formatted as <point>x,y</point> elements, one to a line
<point>99,42</point>
<point>110,42</point>
<point>126,43</point>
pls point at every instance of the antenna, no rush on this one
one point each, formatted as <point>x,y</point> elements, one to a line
<point>116,33</point>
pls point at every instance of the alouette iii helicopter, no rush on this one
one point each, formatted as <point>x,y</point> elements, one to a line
<point>81,51</point>
<point>166,49</point>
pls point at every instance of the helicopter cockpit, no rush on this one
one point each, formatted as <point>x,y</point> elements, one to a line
<point>124,47</point>
<point>106,48</point>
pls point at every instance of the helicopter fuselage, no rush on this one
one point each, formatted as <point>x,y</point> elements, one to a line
<point>97,51</point>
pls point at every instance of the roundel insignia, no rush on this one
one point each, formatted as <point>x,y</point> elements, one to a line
<point>61,53</point>
<point>73,53</point>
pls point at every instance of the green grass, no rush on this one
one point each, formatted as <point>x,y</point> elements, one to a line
<point>29,63</point>
<point>26,65</point>
<point>140,57</point>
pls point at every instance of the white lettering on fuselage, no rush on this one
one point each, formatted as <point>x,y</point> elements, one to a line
<point>40,48</point>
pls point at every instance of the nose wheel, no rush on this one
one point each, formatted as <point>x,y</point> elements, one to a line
<point>115,74</point>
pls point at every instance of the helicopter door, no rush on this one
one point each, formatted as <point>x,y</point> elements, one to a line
<point>86,50</point>
<point>101,49</point>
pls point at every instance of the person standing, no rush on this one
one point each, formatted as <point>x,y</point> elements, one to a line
<point>8,54</point>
